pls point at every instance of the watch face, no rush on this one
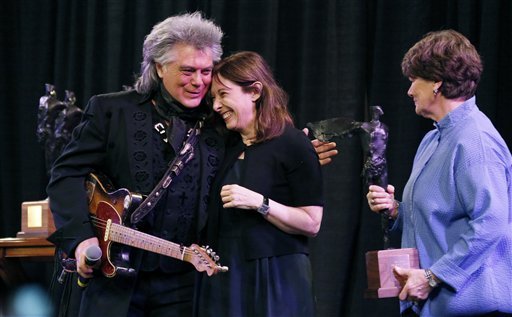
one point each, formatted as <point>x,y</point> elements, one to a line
<point>263,209</point>
<point>431,281</point>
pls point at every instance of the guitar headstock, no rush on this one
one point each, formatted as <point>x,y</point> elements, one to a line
<point>204,259</point>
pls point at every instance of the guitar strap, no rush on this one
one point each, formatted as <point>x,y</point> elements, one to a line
<point>185,154</point>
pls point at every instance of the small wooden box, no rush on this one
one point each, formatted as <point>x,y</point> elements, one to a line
<point>36,219</point>
<point>379,269</point>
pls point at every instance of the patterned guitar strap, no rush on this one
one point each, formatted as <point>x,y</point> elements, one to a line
<point>185,154</point>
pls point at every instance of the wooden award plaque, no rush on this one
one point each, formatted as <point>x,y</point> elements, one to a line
<point>379,269</point>
<point>36,219</point>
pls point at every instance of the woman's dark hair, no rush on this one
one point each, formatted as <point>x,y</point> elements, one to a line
<point>445,56</point>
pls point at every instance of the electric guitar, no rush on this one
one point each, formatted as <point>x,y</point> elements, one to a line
<point>109,207</point>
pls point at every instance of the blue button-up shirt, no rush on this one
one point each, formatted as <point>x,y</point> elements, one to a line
<point>457,211</point>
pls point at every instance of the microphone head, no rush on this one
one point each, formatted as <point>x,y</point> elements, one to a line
<point>92,255</point>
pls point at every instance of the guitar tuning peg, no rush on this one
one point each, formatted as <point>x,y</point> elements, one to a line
<point>216,258</point>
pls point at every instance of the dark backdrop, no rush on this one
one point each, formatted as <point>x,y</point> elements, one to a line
<point>334,58</point>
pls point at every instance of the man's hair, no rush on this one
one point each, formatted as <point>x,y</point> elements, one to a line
<point>445,56</point>
<point>190,29</point>
<point>246,68</point>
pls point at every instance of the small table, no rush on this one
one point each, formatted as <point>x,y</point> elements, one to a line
<point>13,250</point>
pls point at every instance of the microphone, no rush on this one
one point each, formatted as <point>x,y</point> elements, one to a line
<point>92,256</point>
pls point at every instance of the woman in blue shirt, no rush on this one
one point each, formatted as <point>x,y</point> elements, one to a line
<point>456,207</point>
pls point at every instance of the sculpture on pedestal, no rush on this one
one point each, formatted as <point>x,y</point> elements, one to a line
<point>56,120</point>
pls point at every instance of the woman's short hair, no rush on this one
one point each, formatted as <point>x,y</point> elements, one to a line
<point>446,56</point>
<point>244,69</point>
<point>190,29</point>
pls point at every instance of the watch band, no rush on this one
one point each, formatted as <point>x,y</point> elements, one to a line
<point>263,209</point>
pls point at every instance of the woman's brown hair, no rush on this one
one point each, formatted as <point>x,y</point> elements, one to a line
<point>244,69</point>
<point>445,56</point>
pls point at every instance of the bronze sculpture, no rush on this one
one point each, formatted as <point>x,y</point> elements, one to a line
<point>374,137</point>
<point>56,120</point>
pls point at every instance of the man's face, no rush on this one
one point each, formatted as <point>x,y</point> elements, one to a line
<point>188,77</point>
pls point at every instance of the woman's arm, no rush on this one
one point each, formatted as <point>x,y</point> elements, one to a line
<point>303,220</point>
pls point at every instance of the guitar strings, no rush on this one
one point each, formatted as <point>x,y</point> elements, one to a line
<point>102,224</point>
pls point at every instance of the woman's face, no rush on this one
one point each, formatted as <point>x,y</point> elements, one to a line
<point>422,92</point>
<point>236,107</point>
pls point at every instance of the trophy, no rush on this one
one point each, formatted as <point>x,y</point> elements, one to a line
<point>374,136</point>
<point>55,121</point>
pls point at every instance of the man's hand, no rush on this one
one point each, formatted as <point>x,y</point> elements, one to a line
<point>325,150</point>
<point>83,269</point>
<point>415,285</point>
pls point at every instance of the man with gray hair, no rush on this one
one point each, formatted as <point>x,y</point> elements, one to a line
<point>131,136</point>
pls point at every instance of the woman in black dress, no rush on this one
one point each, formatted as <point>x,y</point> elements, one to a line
<point>266,200</point>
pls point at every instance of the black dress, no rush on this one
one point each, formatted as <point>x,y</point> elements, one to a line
<point>263,281</point>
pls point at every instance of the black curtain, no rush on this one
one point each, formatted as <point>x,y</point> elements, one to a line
<point>335,58</point>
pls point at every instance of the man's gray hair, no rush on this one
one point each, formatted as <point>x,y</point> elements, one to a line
<point>190,29</point>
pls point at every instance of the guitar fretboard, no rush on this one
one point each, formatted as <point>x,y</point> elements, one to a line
<point>141,240</point>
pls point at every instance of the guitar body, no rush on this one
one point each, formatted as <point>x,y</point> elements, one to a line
<point>110,211</point>
<point>108,204</point>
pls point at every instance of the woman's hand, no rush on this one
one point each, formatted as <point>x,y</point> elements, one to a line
<point>414,284</point>
<point>379,199</point>
<point>236,196</point>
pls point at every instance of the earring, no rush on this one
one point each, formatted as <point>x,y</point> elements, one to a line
<point>436,91</point>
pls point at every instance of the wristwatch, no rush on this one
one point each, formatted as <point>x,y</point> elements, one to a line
<point>263,209</point>
<point>431,280</point>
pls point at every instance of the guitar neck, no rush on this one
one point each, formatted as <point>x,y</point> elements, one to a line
<point>124,235</point>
